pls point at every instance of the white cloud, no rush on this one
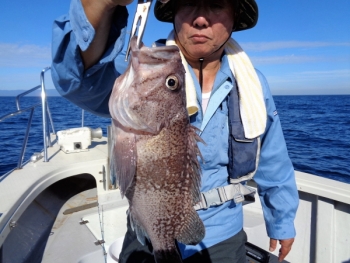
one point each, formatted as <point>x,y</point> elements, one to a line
<point>275,45</point>
<point>327,82</point>
<point>311,82</point>
<point>295,59</point>
<point>24,56</point>
<point>307,76</point>
<point>328,74</point>
<point>287,59</point>
<point>24,80</point>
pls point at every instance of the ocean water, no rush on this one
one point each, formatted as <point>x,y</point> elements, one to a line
<point>317,132</point>
<point>316,129</point>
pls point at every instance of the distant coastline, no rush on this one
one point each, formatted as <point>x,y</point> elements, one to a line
<point>54,93</point>
<point>14,93</point>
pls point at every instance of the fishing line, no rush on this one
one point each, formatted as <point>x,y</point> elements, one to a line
<point>102,232</point>
<point>201,60</point>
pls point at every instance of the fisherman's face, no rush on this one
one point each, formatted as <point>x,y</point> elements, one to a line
<point>202,27</point>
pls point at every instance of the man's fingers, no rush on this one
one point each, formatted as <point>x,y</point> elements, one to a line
<point>273,244</point>
<point>286,246</point>
<point>283,253</point>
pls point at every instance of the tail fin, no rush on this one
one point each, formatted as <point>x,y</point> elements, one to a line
<point>167,256</point>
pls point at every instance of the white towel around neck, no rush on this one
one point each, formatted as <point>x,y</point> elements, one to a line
<point>251,99</point>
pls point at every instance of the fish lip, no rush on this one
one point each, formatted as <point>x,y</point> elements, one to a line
<point>154,50</point>
<point>141,58</point>
<point>151,56</point>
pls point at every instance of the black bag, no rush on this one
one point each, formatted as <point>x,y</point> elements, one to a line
<point>256,254</point>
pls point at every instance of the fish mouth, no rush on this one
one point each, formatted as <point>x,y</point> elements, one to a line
<point>144,65</point>
<point>121,112</point>
<point>153,56</point>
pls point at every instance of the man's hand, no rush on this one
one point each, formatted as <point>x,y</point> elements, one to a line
<point>100,15</point>
<point>286,246</point>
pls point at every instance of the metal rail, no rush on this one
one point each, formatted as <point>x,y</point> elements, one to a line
<point>46,114</point>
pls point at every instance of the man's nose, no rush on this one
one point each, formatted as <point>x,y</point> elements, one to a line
<point>201,16</point>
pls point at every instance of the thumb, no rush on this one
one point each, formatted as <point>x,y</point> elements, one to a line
<point>273,244</point>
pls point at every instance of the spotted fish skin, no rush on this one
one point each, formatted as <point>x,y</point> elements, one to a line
<point>154,151</point>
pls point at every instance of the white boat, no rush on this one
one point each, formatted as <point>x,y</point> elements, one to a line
<point>59,206</point>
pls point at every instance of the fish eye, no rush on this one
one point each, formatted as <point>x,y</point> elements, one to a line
<point>172,82</point>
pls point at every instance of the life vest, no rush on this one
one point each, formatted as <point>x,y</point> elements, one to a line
<point>243,153</point>
<point>244,157</point>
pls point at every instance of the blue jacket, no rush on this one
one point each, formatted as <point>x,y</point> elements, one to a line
<point>91,89</point>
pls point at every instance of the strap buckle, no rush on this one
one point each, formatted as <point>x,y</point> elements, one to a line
<point>238,198</point>
<point>212,198</point>
<point>233,192</point>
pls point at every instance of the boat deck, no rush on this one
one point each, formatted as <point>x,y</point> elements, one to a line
<point>66,207</point>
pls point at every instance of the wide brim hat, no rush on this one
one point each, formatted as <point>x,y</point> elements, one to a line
<point>247,14</point>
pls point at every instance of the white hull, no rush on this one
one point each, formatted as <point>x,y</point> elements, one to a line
<point>322,223</point>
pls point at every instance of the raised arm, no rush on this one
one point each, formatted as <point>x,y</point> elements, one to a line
<point>87,52</point>
<point>100,15</point>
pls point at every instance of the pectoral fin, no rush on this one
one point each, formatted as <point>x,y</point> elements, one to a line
<point>141,234</point>
<point>123,157</point>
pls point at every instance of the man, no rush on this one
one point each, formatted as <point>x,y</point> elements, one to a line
<point>235,113</point>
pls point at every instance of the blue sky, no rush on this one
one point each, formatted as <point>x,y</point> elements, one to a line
<point>302,46</point>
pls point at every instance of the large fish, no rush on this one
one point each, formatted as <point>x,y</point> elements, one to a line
<point>154,151</point>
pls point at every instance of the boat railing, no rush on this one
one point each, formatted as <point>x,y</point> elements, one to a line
<point>46,116</point>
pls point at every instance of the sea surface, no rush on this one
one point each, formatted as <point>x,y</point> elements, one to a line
<point>316,129</point>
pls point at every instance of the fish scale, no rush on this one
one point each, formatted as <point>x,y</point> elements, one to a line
<point>154,154</point>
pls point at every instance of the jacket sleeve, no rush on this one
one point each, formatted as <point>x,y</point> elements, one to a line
<point>275,176</point>
<point>88,89</point>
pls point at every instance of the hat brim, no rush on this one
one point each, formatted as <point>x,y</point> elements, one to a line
<point>248,13</point>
